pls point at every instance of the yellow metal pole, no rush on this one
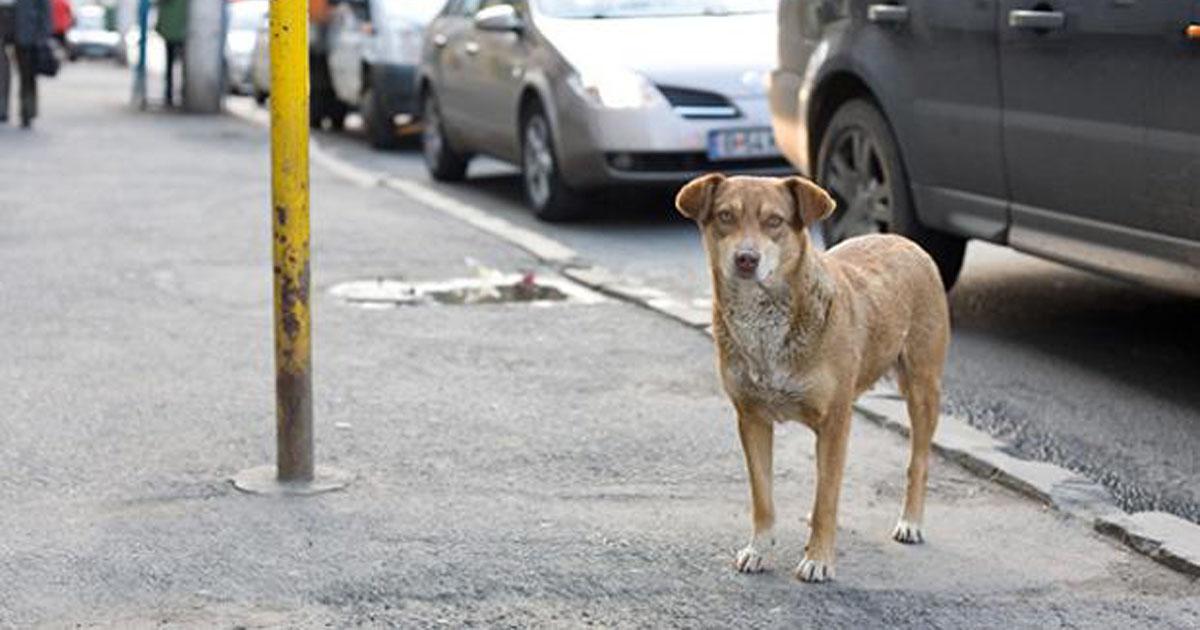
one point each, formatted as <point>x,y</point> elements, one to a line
<point>289,199</point>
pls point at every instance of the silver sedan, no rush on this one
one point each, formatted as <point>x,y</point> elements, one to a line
<point>585,94</point>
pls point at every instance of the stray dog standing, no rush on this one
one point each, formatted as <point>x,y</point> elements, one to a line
<point>801,333</point>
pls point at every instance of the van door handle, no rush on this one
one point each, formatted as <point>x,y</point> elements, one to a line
<point>472,48</point>
<point>1037,20</point>
<point>440,40</point>
<point>887,14</point>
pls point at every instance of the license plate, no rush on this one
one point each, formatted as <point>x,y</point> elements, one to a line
<point>741,144</point>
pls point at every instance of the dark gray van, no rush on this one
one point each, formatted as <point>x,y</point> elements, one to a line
<point>1069,129</point>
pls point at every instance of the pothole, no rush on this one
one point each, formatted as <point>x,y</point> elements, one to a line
<point>527,289</point>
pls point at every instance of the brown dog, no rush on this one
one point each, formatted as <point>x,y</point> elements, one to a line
<point>801,333</point>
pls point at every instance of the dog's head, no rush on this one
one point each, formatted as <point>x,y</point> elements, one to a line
<point>754,227</point>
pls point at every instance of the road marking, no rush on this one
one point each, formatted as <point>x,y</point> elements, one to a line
<point>536,243</point>
<point>541,246</point>
<point>341,168</point>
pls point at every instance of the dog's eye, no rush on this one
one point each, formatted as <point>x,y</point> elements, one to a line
<point>725,216</point>
<point>774,221</point>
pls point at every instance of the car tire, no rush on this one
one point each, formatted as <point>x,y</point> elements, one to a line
<point>336,114</point>
<point>859,163</point>
<point>381,131</point>
<point>260,96</point>
<point>550,197</point>
<point>443,162</point>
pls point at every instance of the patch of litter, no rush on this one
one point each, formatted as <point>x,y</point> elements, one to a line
<point>487,287</point>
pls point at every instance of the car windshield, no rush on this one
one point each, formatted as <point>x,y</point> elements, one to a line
<point>421,11</point>
<point>90,21</point>
<point>595,9</point>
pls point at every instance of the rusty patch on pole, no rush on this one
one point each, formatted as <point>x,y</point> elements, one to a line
<point>294,438</point>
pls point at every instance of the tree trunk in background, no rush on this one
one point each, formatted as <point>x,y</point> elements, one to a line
<point>203,61</point>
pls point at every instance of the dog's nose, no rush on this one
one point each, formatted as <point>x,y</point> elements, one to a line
<point>746,260</point>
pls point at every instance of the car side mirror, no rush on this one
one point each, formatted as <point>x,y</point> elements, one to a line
<point>499,18</point>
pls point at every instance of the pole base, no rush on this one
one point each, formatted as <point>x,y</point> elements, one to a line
<point>263,480</point>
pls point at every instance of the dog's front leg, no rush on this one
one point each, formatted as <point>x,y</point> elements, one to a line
<point>817,565</point>
<point>758,437</point>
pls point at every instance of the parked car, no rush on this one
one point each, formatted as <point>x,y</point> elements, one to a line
<point>374,47</point>
<point>242,19</point>
<point>585,94</point>
<point>260,62</point>
<point>91,36</point>
<point>1064,129</point>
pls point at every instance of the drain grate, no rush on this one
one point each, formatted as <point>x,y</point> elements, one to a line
<point>527,289</point>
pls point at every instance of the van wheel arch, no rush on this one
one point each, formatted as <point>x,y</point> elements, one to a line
<point>834,91</point>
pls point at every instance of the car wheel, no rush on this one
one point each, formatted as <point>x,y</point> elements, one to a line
<point>859,164</point>
<point>260,96</point>
<point>443,162</point>
<point>545,190</point>
<point>381,131</point>
<point>324,105</point>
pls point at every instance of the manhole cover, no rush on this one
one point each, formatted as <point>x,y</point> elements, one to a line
<point>528,289</point>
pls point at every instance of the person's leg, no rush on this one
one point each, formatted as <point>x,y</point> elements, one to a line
<point>6,36</point>
<point>170,76</point>
<point>5,72</point>
<point>61,38</point>
<point>27,68</point>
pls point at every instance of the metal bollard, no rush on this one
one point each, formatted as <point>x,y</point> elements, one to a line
<point>294,472</point>
<point>289,200</point>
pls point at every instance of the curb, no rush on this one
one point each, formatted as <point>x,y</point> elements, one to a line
<point>542,247</point>
<point>1166,538</point>
<point>638,294</point>
<point>986,456</point>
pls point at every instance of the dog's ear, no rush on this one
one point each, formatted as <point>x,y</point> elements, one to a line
<point>694,200</point>
<point>812,202</point>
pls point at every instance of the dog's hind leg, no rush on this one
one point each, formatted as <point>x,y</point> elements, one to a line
<point>922,392</point>
<point>758,439</point>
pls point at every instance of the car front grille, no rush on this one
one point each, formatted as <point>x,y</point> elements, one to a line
<point>686,162</point>
<point>698,104</point>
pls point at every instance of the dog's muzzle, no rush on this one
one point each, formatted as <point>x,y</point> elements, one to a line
<point>746,262</point>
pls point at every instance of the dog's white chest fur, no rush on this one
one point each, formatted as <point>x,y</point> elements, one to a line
<point>760,363</point>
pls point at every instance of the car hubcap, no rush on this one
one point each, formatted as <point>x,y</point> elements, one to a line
<point>856,175</point>
<point>431,135</point>
<point>539,161</point>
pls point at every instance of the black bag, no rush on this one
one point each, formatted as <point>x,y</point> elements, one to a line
<point>45,62</point>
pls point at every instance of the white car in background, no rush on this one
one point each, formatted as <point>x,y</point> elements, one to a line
<point>374,48</point>
<point>242,19</point>
<point>260,62</point>
<point>90,36</point>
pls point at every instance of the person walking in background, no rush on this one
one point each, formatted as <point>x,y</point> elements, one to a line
<point>24,26</point>
<point>172,26</point>
<point>63,18</point>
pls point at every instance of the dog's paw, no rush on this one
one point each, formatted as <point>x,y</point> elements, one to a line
<point>750,560</point>
<point>908,532</point>
<point>812,570</point>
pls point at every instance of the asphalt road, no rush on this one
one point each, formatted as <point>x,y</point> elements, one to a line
<point>1084,371</point>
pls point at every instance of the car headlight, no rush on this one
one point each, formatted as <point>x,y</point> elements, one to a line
<point>614,88</point>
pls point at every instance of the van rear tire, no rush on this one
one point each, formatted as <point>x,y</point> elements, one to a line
<point>859,163</point>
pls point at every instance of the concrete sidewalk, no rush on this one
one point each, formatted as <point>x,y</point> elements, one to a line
<point>563,466</point>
